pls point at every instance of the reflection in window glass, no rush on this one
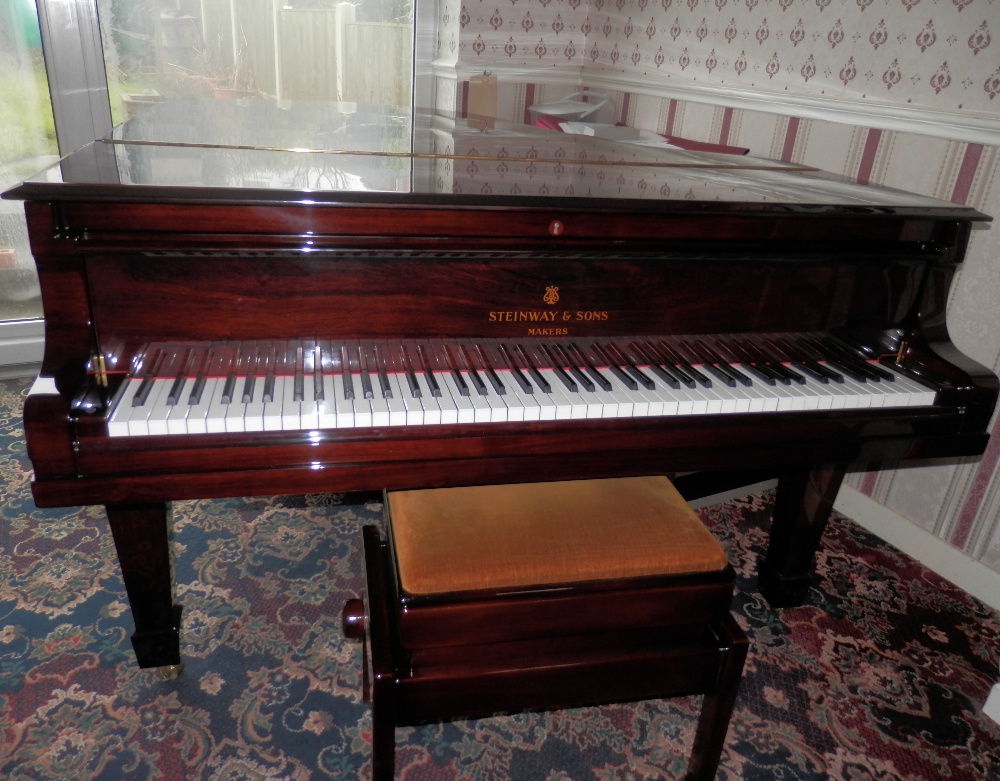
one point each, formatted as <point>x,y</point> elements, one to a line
<point>27,144</point>
<point>287,49</point>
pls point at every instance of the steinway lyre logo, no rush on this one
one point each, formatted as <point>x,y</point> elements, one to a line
<point>551,295</point>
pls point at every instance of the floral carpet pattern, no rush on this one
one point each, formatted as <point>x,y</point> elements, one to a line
<point>879,677</point>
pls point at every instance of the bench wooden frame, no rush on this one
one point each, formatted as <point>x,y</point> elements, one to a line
<point>412,685</point>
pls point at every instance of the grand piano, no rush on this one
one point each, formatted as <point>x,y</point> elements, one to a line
<point>261,298</point>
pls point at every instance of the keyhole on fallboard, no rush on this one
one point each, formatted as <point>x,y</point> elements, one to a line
<point>556,228</point>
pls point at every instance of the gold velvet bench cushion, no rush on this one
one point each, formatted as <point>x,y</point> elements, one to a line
<point>516,562</point>
<point>516,536</point>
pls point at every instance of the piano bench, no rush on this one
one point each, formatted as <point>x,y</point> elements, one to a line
<point>497,599</point>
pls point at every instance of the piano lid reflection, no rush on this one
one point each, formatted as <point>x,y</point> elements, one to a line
<point>247,298</point>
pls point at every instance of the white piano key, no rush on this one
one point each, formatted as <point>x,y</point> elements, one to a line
<point>363,413</point>
<point>622,404</point>
<point>138,420</point>
<point>253,410</point>
<point>465,412</point>
<point>427,402</point>
<point>122,408</point>
<point>159,408</point>
<point>237,409</point>
<point>273,409</point>
<point>197,414</point>
<point>512,399</point>
<point>563,406</point>
<point>917,394</point>
<point>397,408</point>
<point>291,408</point>
<point>413,409</point>
<point>499,405</point>
<point>344,407</point>
<point>446,403</point>
<point>482,410</point>
<point>379,404</point>
<point>327,406</point>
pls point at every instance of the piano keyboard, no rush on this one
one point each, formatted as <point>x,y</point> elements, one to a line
<point>199,388</point>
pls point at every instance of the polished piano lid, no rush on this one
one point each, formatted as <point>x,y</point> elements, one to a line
<point>273,150</point>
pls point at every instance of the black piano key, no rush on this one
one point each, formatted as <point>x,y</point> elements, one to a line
<point>383,377</point>
<point>319,393</point>
<point>452,365</point>
<point>875,371</point>
<point>357,356</point>
<point>515,370</point>
<point>840,363</point>
<point>533,372</point>
<point>749,365</point>
<point>249,386</point>
<point>203,364</point>
<point>687,363</point>
<point>761,365</point>
<point>720,374</point>
<point>588,367</point>
<point>229,388</point>
<point>248,368</point>
<point>797,377</point>
<point>411,376</point>
<point>723,364</point>
<point>146,384</point>
<point>180,380</point>
<point>812,370</point>
<point>631,365</point>
<point>432,382</point>
<point>477,381</point>
<point>267,396</point>
<point>658,366</point>
<point>823,369</point>
<point>771,361</point>
<point>348,376</point>
<point>555,365</point>
<point>574,369</point>
<point>298,381</point>
<point>804,359</point>
<point>737,376</point>
<point>490,372</point>
<point>625,379</point>
<point>197,389</point>
<point>679,366</point>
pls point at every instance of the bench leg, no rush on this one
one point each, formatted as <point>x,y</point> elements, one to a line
<point>384,681</point>
<point>383,730</point>
<point>717,708</point>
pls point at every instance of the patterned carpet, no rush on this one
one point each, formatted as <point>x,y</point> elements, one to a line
<point>880,676</point>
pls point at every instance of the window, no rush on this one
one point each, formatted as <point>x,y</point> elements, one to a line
<point>27,144</point>
<point>286,49</point>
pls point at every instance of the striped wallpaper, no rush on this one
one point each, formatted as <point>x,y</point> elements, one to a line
<point>959,502</point>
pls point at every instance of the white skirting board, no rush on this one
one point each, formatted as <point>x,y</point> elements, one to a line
<point>21,345</point>
<point>936,554</point>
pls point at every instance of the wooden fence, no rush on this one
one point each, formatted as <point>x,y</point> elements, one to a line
<point>317,54</point>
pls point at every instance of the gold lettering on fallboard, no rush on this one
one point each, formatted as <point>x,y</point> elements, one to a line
<point>543,316</point>
<point>548,332</point>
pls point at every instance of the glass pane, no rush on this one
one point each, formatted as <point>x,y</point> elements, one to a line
<point>287,49</point>
<point>27,144</point>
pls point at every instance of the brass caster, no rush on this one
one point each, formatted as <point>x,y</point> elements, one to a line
<point>170,672</point>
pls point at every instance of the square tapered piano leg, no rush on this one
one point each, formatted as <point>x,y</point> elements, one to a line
<point>802,508</point>
<point>143,546</point>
